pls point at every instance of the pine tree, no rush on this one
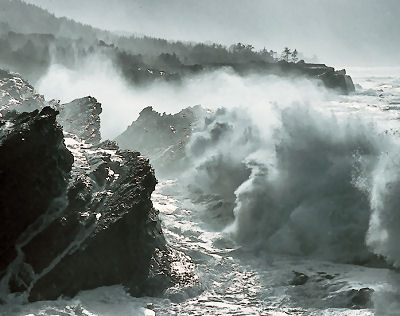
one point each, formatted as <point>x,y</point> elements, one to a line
<point>285,54</point>
<point>294,56</point>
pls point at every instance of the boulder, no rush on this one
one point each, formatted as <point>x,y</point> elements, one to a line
<point>299,278</point>
<point>106,235</point>
<point>34,170</point>
<point>74,214</point>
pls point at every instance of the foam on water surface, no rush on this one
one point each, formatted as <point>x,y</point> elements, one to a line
<point>234,280</point>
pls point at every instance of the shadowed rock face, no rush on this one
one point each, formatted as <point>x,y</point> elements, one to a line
<point>337,80</point>
<point>331,78</point>
<point>34,167</point>
<point>73,215</point>
<point>108,232</point>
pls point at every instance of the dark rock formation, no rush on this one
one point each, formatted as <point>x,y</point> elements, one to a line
<point>100,228</point>
<point>328,290</point>
<point>328,76</point>
<point>337,80</point>
<point>161,136</point>
<point>34,167</point>
<point>361,298</point>
<point>106,235</point>
<point>299,278</point>
<point>81,117</point>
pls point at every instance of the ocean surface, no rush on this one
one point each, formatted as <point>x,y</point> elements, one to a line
<point>299,229</point>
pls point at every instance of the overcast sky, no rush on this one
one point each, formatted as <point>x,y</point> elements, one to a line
<point>340,32</point>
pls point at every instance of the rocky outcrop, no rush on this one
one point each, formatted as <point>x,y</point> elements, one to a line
<point>339,81</point>
<point>107,233</point>
<point>334,79</point>
<point>34,167</point>
<point>162,136</point>
<point>74,219</point>
<point>17,94</point>
<point>81,117</point>
<point>331,78</point>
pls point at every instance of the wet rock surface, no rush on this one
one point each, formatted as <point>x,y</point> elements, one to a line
<point>81,117</point>
<point>77,218</point>
<point>299,278</point>
<point>108,232</point>
<point>317,289</point>
<point>34,169</point>
<point>361,298</point>
<point>17,94</point>
<point>161,136</point>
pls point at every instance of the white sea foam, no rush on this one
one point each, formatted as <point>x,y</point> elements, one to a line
<point>307,172</point>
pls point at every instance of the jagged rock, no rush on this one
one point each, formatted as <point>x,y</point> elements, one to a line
<point>161,136</point>
<point>17,94</point>
<point>106,235</point>
<point>100,228</point>
<point>81,117</point>
<point>34,167</point>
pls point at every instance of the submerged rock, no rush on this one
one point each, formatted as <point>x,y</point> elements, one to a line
<point>299,278</point>
<point>361,298</point>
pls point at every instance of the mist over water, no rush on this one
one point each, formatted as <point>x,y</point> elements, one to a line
<point>297,177</point>
<point>122,102</point>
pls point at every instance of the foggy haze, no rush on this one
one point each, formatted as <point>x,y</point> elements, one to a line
<point>339,32</point>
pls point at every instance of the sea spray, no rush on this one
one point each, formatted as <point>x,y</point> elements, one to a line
<point>384,233</point>
<point>304,202</point>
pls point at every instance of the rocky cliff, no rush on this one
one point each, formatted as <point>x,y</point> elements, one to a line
<point>74,214</point>
<point>81,117</point>
<point>327,76</point>
<point>34,170</point>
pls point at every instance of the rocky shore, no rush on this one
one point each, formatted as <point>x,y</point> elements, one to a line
<point>75,214</point>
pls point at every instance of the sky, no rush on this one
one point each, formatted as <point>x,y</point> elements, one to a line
<point>339,32</point>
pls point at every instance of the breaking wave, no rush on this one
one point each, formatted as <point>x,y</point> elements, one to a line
<point>277,169</point>
<point>307,182</point>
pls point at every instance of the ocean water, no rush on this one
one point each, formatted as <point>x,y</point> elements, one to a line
<point>309,190</point>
